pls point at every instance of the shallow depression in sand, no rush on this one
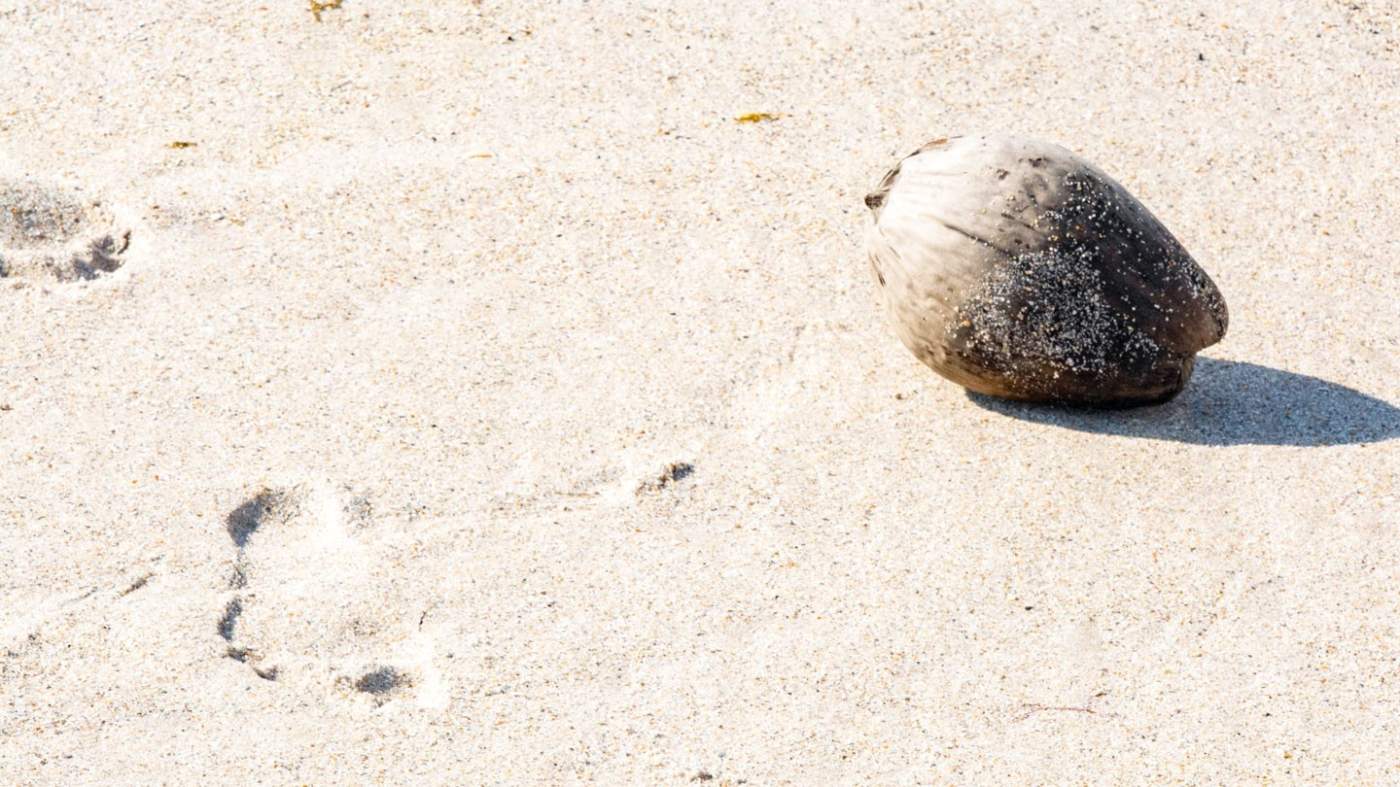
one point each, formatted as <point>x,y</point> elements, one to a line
<point>56,233</point>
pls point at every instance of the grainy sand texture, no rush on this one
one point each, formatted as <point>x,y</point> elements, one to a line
<point>496,392</point>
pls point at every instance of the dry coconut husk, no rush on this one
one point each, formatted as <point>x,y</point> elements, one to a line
<point>1017,269</point>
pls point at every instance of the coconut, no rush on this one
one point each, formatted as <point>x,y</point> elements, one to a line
<point>1017,269</point>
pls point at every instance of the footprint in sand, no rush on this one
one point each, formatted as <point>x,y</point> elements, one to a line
<point>309,605</point>
<point>49,232</point>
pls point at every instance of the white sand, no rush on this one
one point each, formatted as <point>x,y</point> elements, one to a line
<point>455,284</point>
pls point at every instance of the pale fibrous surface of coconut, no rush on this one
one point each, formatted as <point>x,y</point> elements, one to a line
<point>1017,269</point>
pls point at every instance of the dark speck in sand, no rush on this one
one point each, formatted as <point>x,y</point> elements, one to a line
<point>381,681</point>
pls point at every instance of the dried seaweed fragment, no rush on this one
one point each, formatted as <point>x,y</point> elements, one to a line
<point>328,5</point>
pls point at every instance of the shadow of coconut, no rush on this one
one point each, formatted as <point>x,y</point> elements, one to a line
<point>1233,403</point>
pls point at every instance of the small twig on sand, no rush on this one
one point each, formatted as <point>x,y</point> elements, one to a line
<point>1031,708</point>
<point>324,5</point>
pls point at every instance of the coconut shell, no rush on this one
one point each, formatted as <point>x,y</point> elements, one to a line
<point>1017,269</point>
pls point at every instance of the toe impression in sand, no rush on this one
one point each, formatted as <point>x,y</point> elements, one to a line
<point>1017,269</point>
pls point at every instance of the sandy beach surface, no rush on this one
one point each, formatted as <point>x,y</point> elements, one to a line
<point>460,393</point>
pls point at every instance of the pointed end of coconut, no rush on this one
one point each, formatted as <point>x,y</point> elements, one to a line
<point>875,200</point>
<point>1221,313</point>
